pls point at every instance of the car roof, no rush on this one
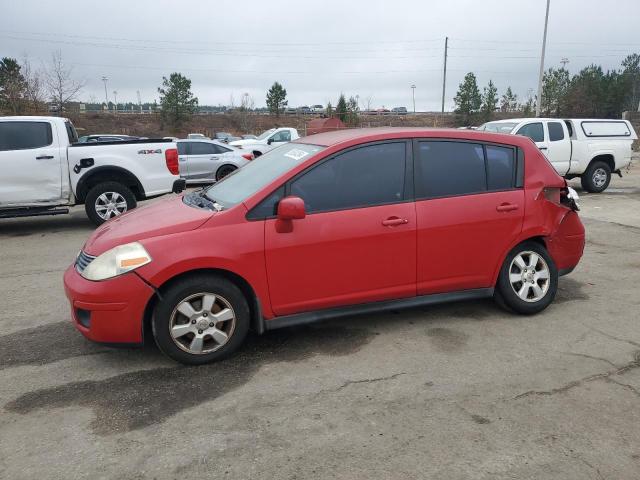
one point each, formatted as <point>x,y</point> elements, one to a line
<point>362,135</point>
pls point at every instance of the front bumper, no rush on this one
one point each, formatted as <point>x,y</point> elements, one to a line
<point>110,311</point>
<point>179,185</point>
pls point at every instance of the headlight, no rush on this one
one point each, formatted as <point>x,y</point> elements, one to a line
<point>118,260</point>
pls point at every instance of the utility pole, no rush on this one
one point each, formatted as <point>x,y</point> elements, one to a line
<point>106,97</point>
<point>444,75</point>
<point>139,101</point>
<point>413,93</point>
<point>564,62</point>
<point>541,74</point>
<point>115,100</point>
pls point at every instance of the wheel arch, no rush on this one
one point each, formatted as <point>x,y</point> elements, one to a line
<point>105,174</point>
<point>537,238</point>
<point>607,158</point>
<point>255,310</point>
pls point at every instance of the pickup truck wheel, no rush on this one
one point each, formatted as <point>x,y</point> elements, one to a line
<point>107,200</point>
<point>528,279</point>
<point>596,178</point>
<point>225,170</point>
<point>200,319</point>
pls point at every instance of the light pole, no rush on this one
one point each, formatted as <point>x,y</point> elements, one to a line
<point>106,97</point>
<point>115,100</point>
<point>413,94</point>
<point>541,74</point>
<point>139,101</point>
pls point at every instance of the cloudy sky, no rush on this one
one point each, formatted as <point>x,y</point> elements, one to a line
<point>371,48</point>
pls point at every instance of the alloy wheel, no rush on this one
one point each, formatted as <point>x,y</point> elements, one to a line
<point>110,204</point>
<point>529,276</point>
<point>202,323</point>
<point>599,177</point>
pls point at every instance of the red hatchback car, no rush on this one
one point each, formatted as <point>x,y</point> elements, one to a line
<point>346,222</point>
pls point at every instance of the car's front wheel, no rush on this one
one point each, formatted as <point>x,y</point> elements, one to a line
<point>528,279</point>
<point>200,319</point>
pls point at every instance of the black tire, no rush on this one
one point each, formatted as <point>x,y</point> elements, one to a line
<point>105,188</point>
<point>225,170</point>
<point>192,286</point>
<point>506,295</point>
<point>591,178</point>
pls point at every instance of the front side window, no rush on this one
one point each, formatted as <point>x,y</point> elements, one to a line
<point>25,135</point>
<point>283,136</point>
<point>446,169</point>
<point>556,132</point>
<point>362,177</point>
<point>532,130</point>
<point>202,148</point>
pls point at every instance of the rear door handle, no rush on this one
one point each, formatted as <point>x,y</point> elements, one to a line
<point>44,157</point>
<point>507,207</point>
<point>394,221</point>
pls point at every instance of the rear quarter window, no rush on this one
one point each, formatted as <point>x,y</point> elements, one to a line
<point>25,135</point>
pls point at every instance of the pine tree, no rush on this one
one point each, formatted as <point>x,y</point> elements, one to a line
<point>341,108</point>
<point>509,101</point>
<point>276,99</point>
<point>489,101</point>
<point>177,103</point>
<point>468,99</point>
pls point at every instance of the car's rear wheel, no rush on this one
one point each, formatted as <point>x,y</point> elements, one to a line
<point>225,170</point>
<point>107,200</point>
<point>528,279</point>
<point>201,319</point>
<point>596,178</point>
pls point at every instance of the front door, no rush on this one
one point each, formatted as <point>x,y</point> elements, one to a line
<point>30,161</point>
<point>469,208</point>
<point>559,149</point>
<point>358,241</point>
<point>203,160</point>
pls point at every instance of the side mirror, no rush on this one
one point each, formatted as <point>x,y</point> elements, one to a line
<point>270,141</point>
<point>291,208</point>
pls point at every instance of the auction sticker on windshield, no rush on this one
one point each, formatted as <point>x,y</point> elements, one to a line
<point>296,154</point>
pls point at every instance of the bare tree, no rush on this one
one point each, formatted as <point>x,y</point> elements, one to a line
<point>246,111</point>
<point>61,87</point>
<point>34,92</point>
<point>367,101</point>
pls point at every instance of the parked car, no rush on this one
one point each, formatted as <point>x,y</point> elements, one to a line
<point>197,136</point>
<point>105,138</point>
<point>399,110</point>
<point>249,137</point>
<point>223,136</point>
<point>209,160</point>
<point>43,168</point>
<point>267,140</point>
<point>304,110</point>
<point>591,149</point>
<point>338,223</point>
<point>318,109</point>
<point>383,111</point>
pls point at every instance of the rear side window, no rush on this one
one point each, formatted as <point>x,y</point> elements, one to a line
<point>24,135</point>
<point>556,132</point>
<point>533,130</point>
<point>363,177</point>
<point>220,149</point>
<point>202,148</point>
<point>449,168</point>
<point>182,148</point>
<point>501,167</point>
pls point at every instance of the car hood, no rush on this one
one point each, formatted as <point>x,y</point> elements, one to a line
<point>161,217</point>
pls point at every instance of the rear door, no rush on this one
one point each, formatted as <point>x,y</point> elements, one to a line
<point>203,160</point>
<point>183,158</point>
<point>358,241</point>
<point>469,207</point>
<point>559,146</point>
<point>30,162</point>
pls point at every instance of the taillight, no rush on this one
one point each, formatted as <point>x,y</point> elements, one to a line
<point>248,156</point>
<point>171,157</point>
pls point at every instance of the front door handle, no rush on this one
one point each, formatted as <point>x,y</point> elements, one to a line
<point>394,221</point>
<point>542,148</point>
<point>507,207</point>
<point>44,157</point>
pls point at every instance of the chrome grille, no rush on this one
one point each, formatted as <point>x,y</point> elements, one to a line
<point>83,261</point>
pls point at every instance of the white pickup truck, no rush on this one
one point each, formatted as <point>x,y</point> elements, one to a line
<point>267,140</point>
<point>591,149</point>
<point>43,169</point>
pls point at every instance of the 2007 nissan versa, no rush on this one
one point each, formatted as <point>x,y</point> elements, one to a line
<point>338,223</point>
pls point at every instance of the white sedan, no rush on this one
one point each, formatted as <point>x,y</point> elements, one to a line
<point>207,161</point>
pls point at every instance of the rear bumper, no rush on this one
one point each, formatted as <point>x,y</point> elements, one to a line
<point>566,245</point>
<point>110,311</point>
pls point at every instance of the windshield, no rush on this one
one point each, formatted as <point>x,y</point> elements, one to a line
<point>259,173</point>
<point>264,135</point>
<point>498,127</point>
